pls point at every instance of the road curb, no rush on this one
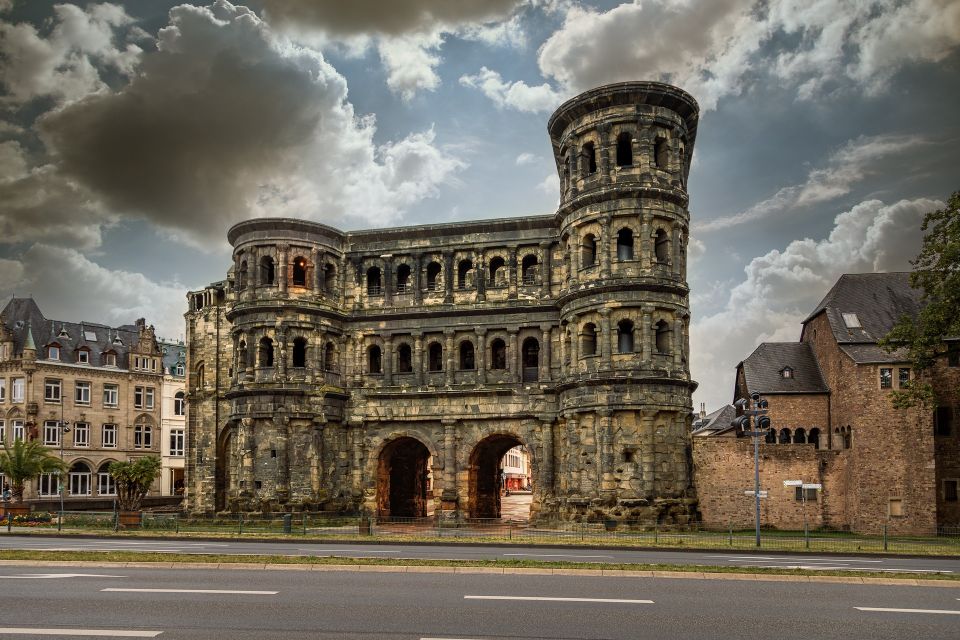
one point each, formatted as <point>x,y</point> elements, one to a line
<point>540,571</point>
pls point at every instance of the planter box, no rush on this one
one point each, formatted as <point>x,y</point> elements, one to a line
<point>15,509</point>
<point>130,519</point>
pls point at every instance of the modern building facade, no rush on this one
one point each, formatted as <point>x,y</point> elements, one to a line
<point>329,367</point>
<point>102,383</point>
<point>834,424</point>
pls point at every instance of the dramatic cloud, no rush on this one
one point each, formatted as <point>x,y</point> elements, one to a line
<point>92,292</point>
<point>843,169</point>
<point>517,95</point>
<point>527,158</point>
<point>782,287</point>
<point>64,64</point>
<point>411,63</point>
<point>226,121</point>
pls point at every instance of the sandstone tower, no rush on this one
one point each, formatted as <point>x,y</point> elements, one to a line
<point>390,370</point>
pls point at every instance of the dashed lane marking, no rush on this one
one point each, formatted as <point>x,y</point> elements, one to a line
<point>950,612</point>
<point>553,599</point>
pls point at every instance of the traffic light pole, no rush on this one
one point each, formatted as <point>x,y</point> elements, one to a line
<point>743,423</point>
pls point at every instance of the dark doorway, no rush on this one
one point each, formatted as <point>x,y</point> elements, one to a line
<point>402,479</point>
<point>486,479</point>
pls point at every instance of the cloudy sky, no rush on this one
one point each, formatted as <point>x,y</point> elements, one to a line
<point>133,134</point>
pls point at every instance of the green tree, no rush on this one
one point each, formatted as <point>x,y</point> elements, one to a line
<point>24,461</point>
<point>133,480</point>
<point>936,271</point>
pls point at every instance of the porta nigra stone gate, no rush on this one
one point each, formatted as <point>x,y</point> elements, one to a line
<point>388,371</point>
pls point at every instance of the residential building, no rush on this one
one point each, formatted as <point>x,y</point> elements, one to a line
<point>173,418</point>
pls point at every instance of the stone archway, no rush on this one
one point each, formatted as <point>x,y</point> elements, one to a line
<point>484,477</point>
<point>223,479</point>
<point>402,479</point>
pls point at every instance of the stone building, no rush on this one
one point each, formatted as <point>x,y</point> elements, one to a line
<point>834,424</point>
<point>173,418</point>
<point>103,382</point>
<point>329,367</point>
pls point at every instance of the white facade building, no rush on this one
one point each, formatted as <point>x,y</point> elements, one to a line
<point>173,422</point>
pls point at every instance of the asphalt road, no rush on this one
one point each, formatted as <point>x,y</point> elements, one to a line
<point>293,605</point>
<point>488,552</point>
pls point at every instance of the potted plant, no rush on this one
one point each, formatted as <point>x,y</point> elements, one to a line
<point>133,479</point>
<point>23,461</point>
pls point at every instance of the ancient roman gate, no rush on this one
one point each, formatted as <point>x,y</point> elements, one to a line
<point>389,370</point>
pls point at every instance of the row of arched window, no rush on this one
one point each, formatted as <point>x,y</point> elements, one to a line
<point>795,436</point>
<point>589,333</point>
<point>496,275</point>
<point>300,269</point>
<point>588,164</point>
<point>589,254</point>
<point>266,353</point>
<point>466,357</point>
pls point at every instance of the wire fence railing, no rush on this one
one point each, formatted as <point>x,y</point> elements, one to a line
<point>627,534</point>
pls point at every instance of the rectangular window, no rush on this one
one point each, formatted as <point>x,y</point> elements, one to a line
<point>109,436</point>
<point>53,353</point>
<point>811,494</point>
<point>18,430</point>
<point>47,485</point>
<point>83,356</point>
<point>950,490</point>
<point>903,377</point>
<point>81,393</point>
<point>111,395</point>
<point>105,484</point>
<point>16,390</point>
<point>3,390</point>
<point>943,421</point>
<point>953,354</point>
<point>51,390</point>
<point>148,398</point>
<point>110,359</point>
<point>176,442</point>
<point>895,507</point>
<point>3,435</point>
<point>80,483</point>
<point>138,398</point>
<point>51,433</point>
<point>886,378</point>
<point>81,434</point>
<point>142,436</point>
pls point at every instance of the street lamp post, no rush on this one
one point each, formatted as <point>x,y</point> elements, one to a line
<point>742,424</point>
<point>63,427</point>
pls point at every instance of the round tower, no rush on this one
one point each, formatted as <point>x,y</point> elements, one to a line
<point>623,155</point>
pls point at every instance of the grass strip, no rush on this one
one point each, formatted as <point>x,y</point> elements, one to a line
<point>135,556</point>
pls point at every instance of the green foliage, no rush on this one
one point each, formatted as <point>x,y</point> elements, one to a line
<point>133,480</point>
<point>24,461</point>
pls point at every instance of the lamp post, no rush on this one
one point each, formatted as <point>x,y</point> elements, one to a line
<point>742,424</point>
<point>63,427</point>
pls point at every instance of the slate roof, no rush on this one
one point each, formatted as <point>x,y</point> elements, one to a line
<point>23,314</point>
<point>716,422</point>
<point>763,369</point>
<point>879,300</point>
<point>173,353</point>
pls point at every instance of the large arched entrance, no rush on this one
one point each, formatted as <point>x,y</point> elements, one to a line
<point>402,479</point>
<point>491,475</point>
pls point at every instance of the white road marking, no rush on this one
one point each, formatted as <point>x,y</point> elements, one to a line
<point>228,591</point>
<point>113,633</point>
<point>550,599</point>
<point>553,555</point>
<point>882,609</point>
<point>791,558</point>
<point>43,576</point>
<point>345,550</point>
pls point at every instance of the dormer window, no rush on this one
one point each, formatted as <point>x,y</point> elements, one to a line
<point>83,356</point>
<point>53,352</point>
<point>110,359</point>
<point>786,372</point>
<point>851,321</point>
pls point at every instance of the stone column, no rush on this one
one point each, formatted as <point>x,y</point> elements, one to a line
<point>545,352</point>
<point>677,343</point>
<point>675,250</point>
<point>282,269</point>
<point>387,360</point>
<point>606,339</point>
<point>644,248</point>
<point>574,346</point>
<point>574,256</point>
<point>282,423</point>
<point>546,248</point>
<point>448,277</point>
<point>515,357</point>
<point>480,269</point>
<point>546,459</point>
<point>574,445</point>
<point>512,274</point>
<point>280,352</point>
<point>448,497</point>
<point>356,445</point>
<point>647,451</point>
<point>253,267</point>
<point>607,483</point>
<point>646,336</point>
<point>319,258</point>
<point>451,357</point>
<point>418,358</point>
<point>605,242</point>
<point>481,355</point>
<point>247,437</point>
<point>359,351</point>
<point>574,169</point>
<point>388,284</point>
<point>563,351</point>
<point>603,132</point>
<point>417,289</point>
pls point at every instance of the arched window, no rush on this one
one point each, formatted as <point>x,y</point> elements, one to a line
<point>784,436</point>
<point>435,357</point>
<point>800,436</point>
<point>625,336</point>
<point>330,357</point>
<point>329,277</point>
<point>374,282</point>
<point>374,359</point>
<point>80,479</point>
<point>242,276</point>
<point>404,359</point>
<point>814,437</point>
<point>661,246</point>
<point>463,273</point>
<point>529,268</point>
<point>661,154</point>
<point>498,272</point>
<point>299,271</point>
<point>531,360</point>
<point>624,150</point>
<point>771,437</point>
<point>588,251</point>
<point>106,485</point>
<point>300,352</point>
<point>179,404</point>
<point>498,354</point>
<point>625,244</point>
<point>198,376</point>
<point>242,355</point>
<point>433,275</point>
<point>265,354</point>
<point>267,271</point>
<point>142,434</point>
<point>588,344</point>
<point>466,356</point>
<point>403,278</point>
<point>662,337</point>
<point>588,159</point>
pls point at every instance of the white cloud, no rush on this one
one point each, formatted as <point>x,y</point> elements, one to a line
<point>842,170</point>
<point>175,147</point>
<point>528,158</point>
<point>92,292</point>
<point>411,63</point>
<point>550,185</point>
<point>782,287</point>
<point>517,95</point>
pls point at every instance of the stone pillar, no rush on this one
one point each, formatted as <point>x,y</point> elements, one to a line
<point>418,358</point>
<point>605,242</point>
<point>448,277</point>
<point>646,336</point>
<point>647,451</point>
<point>603,132</point>
<point>451,357</point>
<point>282,269</point>
<point>607,483</point>
<point>563,350</point>
<point>388,360</point>
<point>247,439</point>
<point>319,259</point>
<point>282,423</point>
<point>359,351</point>
<point>574,256</point>
<point>280,354</point>
<point>356,445</point>
<point>515,357</point>
<point>388,284</point>
<point>481,354</point>
<point>546,267</point>
<point>675,250</point>
<point>574,170</point>
<point>644,248</point>
<point>606,358</point>
<point>574,446</point>
<point>480,269</point>
<point>448,497</point>
<point>417,288</point>
<point>546,459</point>
<point>545,352</point>
<point>677,343</point>
<point>512,274</point>
<point>574,346</point>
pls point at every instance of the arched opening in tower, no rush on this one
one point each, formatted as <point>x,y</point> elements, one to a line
<point>403,479</point>
<point>500,478</point>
